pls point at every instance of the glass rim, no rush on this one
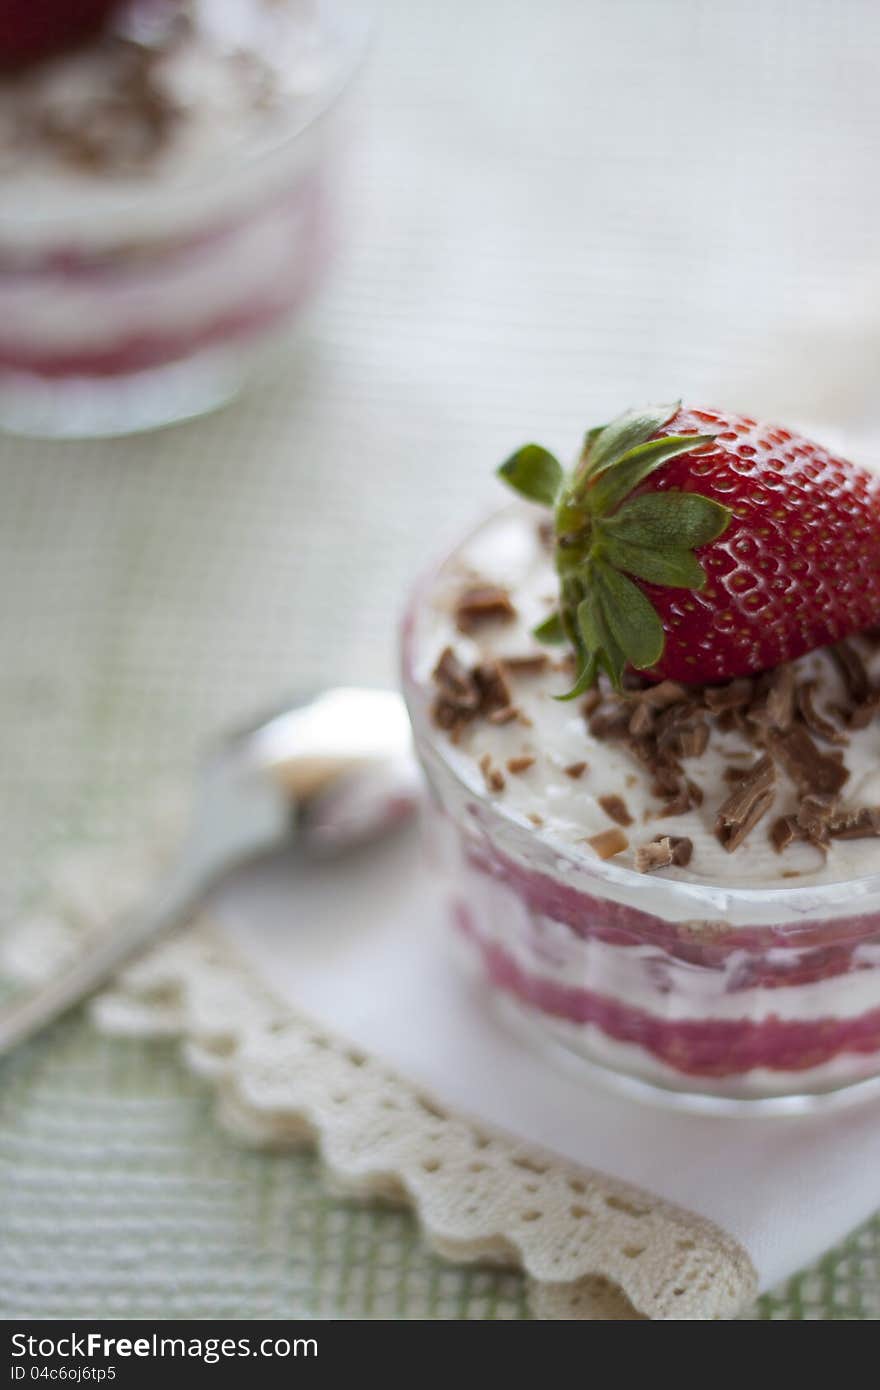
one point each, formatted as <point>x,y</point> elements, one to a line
<point>799,900</point>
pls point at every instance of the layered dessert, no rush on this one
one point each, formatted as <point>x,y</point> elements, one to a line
<point>650,723</point>
<point>166,210</point>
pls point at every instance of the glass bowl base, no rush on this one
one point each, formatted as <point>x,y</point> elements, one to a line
<point>93,407</point>
<point>537,1034</point>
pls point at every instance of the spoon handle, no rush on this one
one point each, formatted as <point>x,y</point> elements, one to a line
<point>169,907</point>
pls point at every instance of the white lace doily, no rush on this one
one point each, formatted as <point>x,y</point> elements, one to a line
<point>591,1247</point>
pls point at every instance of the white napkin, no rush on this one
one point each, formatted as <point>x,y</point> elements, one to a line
<point>362,946</point>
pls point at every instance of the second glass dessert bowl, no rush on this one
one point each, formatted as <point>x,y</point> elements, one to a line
<point>169,208</point>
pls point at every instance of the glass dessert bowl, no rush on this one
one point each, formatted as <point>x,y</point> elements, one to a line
<point>168,209</point>
<point>679,884</point>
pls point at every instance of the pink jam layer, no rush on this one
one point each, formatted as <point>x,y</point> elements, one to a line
<point>68,263</point>
<point>815,950</point>
<point>140,352</point>
<point>693,1047</point>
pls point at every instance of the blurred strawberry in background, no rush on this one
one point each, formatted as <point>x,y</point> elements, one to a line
<point>35,29</point>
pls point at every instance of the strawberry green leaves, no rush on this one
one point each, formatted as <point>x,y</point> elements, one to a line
<point>619,479</point>
<point>678,569</point>
<point>551,631</point>
<point>592,640</point>
<point>663,520</point>
<point>605,445</point>
<point>607,540</point>
<point>653,537</point>
<point>600,644</point>
<point>534,473</point>
<point>616,626</point>
<point>631,618</point>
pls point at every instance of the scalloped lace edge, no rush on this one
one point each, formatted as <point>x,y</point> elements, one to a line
<point>591,1247</point>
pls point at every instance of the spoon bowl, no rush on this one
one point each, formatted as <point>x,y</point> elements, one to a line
<point>325,775</point>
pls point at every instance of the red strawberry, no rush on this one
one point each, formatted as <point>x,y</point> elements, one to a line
<point>699,545</point>
<point>35,29</point>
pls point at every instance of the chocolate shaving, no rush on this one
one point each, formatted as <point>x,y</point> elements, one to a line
<point>746,804</point>
<point>813,816</point>
<point>458,697</point>
<point>808,768</point>
<point>864,700</point>
<point>816,722</point>
<point>852,669</point>
<point>529,665</point>
<point>609,723</point>
<point>734,774</point>
<point>779,698</point>
<point>815,808</point>
<point>454,681</point>
<point>575,770</point>
<point>505,715</point>
<point>730,720</point>
<point>491,682</point>
<point>678,804</point>
<point>591,701</point>
<point>521,763</point>
<point>632,682</point>
<point>484,603</point>
<point>856,825</point>
<point>615,807</point>
<point>666,771</point>
<point>783,831</point>
<point>687,738</point>
<point>642,720</point>
<point>695,792</point>
<point>463,695</point>
<point>492,776</point>
<point>737,695</point>
<point>662,851</point>
<point>682,850</point>
<point>774,708</point>
<point>608,842</point>
<point>664,694</point>
<point>862,715</point>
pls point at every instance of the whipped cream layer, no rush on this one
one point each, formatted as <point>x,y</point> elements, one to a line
<point>565,811</point>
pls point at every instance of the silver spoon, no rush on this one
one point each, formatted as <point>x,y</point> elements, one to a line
<point>323,775</point>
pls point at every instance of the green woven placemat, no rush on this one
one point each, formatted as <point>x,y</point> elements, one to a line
<point>111,1165</point>
<point>108,1154</point>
